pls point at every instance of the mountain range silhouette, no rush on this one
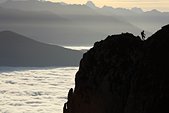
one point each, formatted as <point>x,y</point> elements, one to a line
<point>74,24</point>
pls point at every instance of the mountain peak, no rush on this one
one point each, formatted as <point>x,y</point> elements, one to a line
<point>63,3</point>
<point>137,10</point>
<point>154,11</point>
<point>6,31</point>
<point>91,4</point>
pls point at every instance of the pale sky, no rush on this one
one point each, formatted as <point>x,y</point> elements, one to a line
<point>162,5</point>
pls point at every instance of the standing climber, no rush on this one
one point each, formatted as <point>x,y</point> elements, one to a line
<point>143,35</point>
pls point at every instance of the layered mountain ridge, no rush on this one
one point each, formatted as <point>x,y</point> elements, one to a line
<point>75,24</point>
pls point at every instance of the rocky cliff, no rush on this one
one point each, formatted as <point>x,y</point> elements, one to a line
<point>123,74</point>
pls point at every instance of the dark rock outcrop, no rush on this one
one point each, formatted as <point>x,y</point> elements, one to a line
<point>123,74</point>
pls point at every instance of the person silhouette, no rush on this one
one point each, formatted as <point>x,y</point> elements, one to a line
<point>143,35</point>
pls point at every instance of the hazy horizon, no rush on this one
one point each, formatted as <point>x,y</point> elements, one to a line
<point>146,5</point>
<point>76,25</point>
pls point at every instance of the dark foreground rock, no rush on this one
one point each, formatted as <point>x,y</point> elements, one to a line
<point>123,74</point>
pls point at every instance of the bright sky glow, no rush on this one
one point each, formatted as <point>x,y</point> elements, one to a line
<point>162,5</point>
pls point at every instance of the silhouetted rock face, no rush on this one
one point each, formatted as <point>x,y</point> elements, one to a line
<point>123,74</point>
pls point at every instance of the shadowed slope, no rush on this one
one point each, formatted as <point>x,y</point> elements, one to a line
<point>18,50</point>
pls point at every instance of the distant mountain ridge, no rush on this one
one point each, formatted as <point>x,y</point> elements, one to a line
<point>75,24</point>
<point>18,50</point>
<point>43,3</point>
<point>91,5</point>
<point>60,24</point>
